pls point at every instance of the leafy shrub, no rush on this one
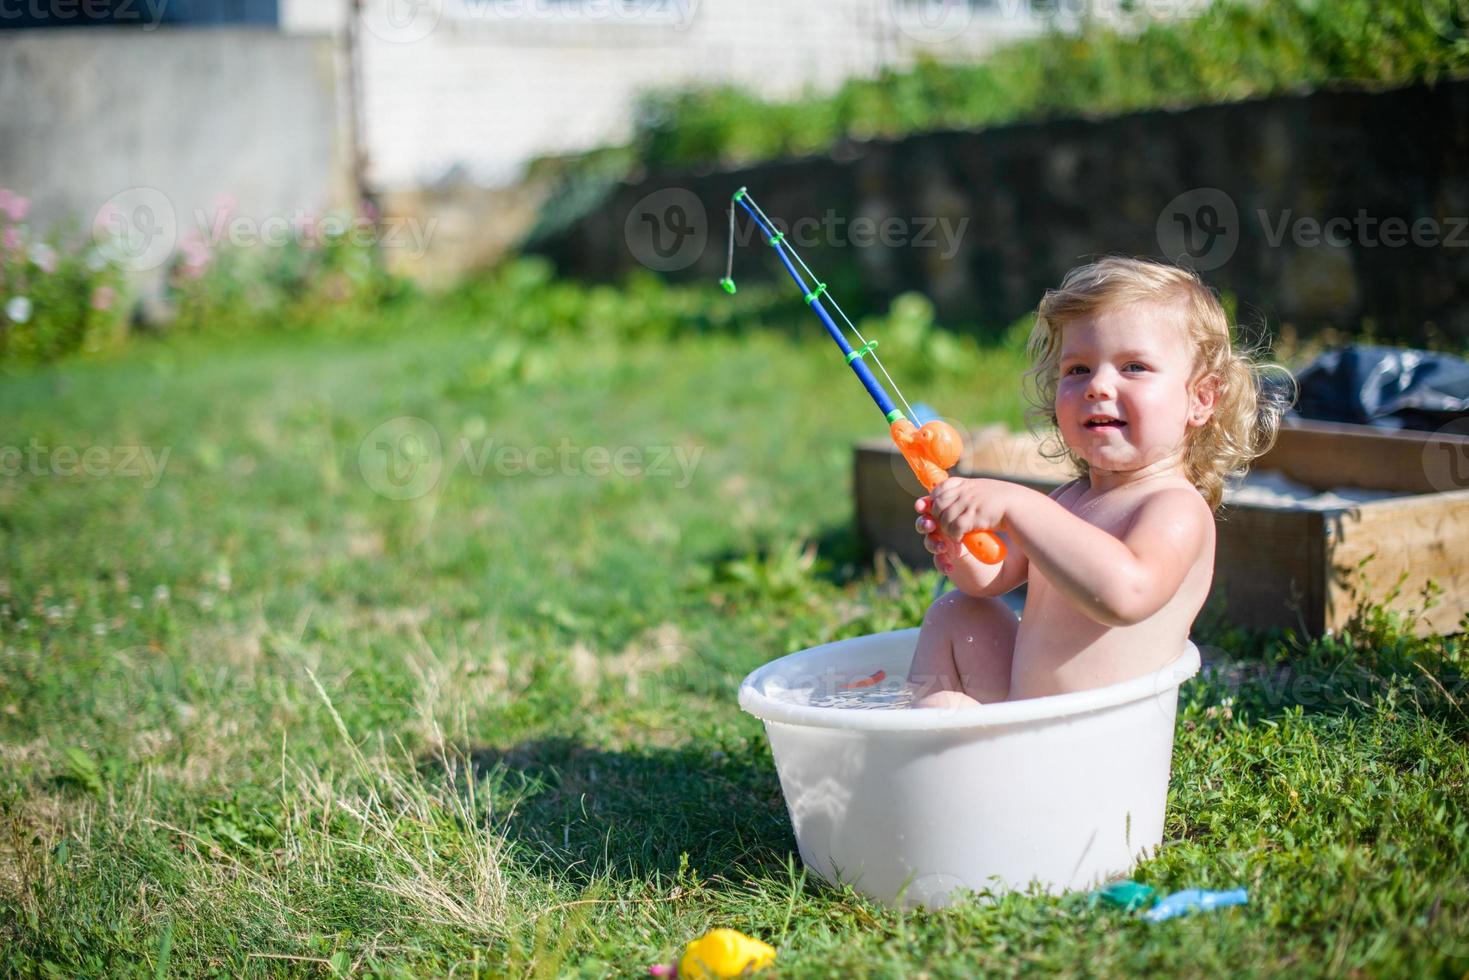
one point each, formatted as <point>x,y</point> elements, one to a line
<point>325,275</point>
<point>1231,51</point>
<point>58,293</point>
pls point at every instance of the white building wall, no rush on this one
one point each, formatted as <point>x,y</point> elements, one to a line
<point>480,87</point>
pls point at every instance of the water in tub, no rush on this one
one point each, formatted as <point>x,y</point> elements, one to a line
<point>889,692</point>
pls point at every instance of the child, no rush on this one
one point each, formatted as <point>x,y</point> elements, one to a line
<point>1133,368</point>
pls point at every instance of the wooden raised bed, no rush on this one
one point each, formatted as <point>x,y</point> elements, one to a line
<point>1275,566</point>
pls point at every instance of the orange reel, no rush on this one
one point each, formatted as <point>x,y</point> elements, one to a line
<point>930,451</point>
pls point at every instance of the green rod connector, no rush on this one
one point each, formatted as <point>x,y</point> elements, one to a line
<point>864,349</point>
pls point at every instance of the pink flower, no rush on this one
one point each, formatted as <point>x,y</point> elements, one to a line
<point>195,253</point>
<point>109,219</point>
<point>102,297</point>
<point>16,206</point>
<point>11,239</point>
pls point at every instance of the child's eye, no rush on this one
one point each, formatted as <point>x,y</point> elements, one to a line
<point>1073,369</point>
<point>1134,364</point>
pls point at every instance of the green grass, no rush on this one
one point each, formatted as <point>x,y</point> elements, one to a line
<point>261,719</point>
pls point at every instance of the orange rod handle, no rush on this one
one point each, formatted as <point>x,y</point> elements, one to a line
<point>930,451</point>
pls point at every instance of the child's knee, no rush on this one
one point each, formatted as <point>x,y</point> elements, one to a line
<point>955,610</point>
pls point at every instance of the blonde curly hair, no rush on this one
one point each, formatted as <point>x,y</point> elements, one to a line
<point>1247,409</point>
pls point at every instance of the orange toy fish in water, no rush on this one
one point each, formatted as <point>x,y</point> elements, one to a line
<point>876,678</point>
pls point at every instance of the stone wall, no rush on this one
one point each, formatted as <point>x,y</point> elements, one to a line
<point>168,127</point>
<point>1331,208</point>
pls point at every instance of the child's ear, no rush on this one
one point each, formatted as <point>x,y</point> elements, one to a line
<point>1204,398</point>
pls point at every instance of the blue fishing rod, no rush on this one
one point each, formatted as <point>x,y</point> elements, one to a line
<point>930,450</point>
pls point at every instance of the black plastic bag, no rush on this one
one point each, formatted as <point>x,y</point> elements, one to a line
<point>1390,387</point>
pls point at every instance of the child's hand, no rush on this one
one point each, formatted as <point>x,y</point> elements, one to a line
<point>960,505</point>
<point>936,543</point>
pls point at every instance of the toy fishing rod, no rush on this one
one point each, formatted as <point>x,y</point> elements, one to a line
<point>930,449</point>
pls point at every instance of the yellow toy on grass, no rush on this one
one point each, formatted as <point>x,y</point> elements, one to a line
<point>719,954</point>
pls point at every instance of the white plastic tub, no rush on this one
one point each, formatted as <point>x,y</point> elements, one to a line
<point>1065,791</point>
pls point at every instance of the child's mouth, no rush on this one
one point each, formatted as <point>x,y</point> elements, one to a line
<point>1105,424</point>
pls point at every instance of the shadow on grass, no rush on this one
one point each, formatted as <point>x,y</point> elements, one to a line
<point>641,812</point>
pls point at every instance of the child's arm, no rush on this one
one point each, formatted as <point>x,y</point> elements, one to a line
<point>1115,581</point>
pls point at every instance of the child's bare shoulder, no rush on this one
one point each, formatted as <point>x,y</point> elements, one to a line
<point>1175,510</point>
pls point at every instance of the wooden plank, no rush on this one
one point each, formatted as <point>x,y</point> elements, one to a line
<point>1268,568</point>
<point>1400,545</point>
<point>1327,455</point>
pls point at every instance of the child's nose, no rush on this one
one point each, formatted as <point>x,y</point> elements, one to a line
<point>1100,386</point>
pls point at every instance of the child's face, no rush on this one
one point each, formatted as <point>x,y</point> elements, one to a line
<point>1128,372</point>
